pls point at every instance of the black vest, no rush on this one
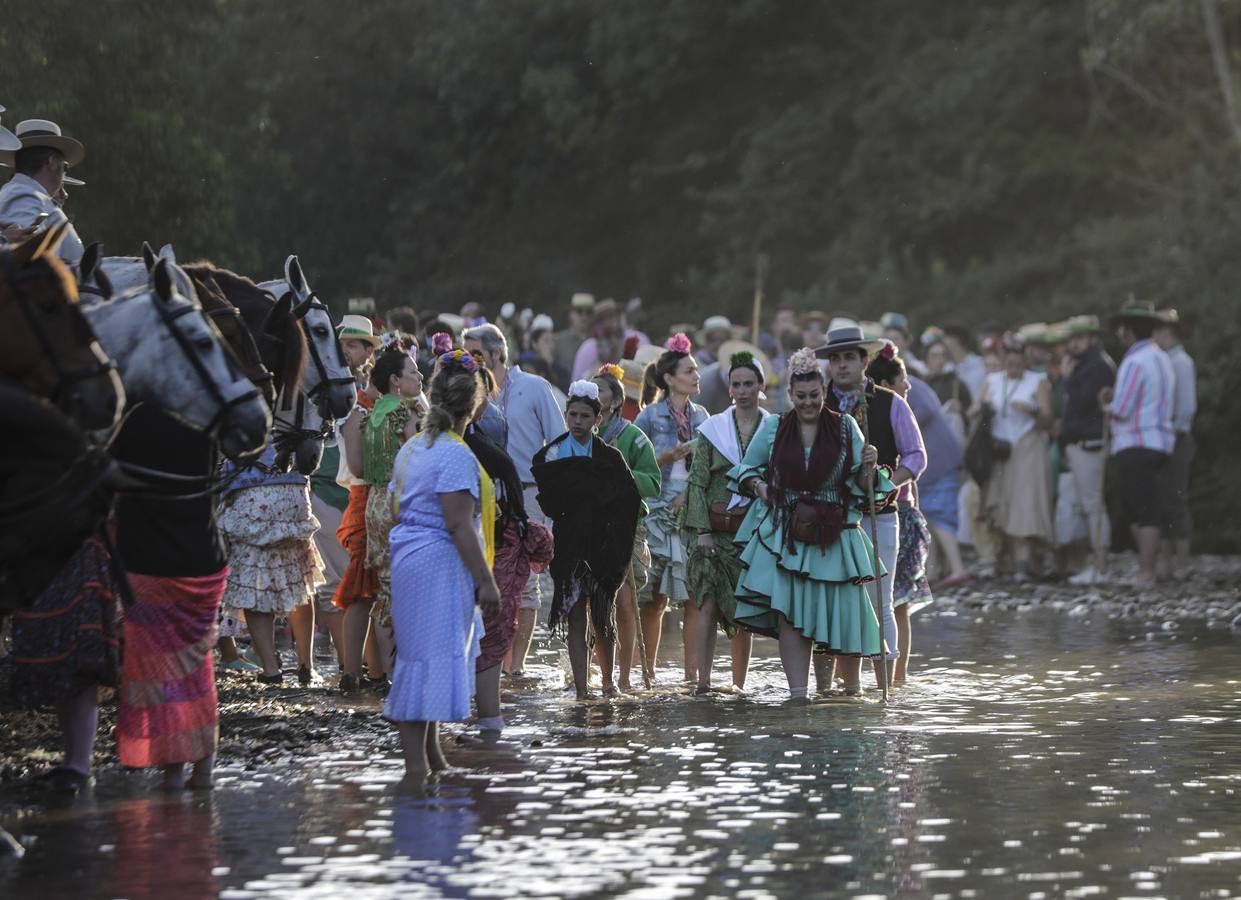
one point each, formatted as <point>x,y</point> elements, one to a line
<point>878,417</point>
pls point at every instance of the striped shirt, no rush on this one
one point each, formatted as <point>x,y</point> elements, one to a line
<point>1142,403</point>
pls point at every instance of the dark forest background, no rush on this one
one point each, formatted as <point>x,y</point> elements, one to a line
<point>1015,161</point>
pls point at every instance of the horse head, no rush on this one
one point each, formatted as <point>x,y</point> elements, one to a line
<point>46,343</point>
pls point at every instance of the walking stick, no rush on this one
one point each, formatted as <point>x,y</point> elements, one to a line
<point>874,547</point>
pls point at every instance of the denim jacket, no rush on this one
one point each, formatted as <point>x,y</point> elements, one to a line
<point>657,424</point>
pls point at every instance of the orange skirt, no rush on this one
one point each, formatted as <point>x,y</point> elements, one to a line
<point>359,583</point>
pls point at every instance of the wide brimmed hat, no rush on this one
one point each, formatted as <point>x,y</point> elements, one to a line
<point>74,182</point>
<point>728,348</point>
<point>45,133</point>
<point>1037,333</point>
<point>715,325</point>
<point>847,337</point>
<point>1170,317</point>
<point>1136,312</point>
<point>585,302</point>
<point>635,369</point>
<point>1075,325</point>
<point>8,140</point>
<point>358,328</point>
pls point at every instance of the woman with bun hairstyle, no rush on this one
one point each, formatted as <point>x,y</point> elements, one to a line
<point>670,419</point>
<point>713,513</point>
<point>804,560</point>
<point>442,552</point>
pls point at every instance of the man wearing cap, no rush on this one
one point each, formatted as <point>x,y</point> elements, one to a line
<point>715,331</point>
<point>1184,406</point>
<point>534,420</point>
<point>569,341</point>
<point>1140,422</point>
<point>892,428</point>
<point>40,165</point>
<point>896,329</point>
<point>1081,434</point>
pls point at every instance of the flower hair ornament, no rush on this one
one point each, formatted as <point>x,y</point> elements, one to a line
<point>584,390</point>
<point>461,358</point>
<point>744,359</point>
<point>612,369</point>
<point>888,351</point>
<point>679,343</point>
<point>441,343</point>
<point>804,362</point>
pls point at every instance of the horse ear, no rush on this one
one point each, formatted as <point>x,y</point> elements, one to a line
<point>161,279</point>
<point>104,283</point>
<point>294,276</point>
<point>300,308</point>
<point>33,247</point>
<point>51,239</point>
<point>90,261</point>
<point>148,256</point>
<point>166,252</point>
<point>283,307</point>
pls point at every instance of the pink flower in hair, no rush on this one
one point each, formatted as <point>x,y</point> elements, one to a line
<point>888,351</point>
<point>679,343</point>
<point>441,343</point>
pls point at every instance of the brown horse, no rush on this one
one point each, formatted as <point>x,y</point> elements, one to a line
<point>46,345</point>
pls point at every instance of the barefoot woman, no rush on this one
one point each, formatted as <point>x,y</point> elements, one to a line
<point>441,564</point>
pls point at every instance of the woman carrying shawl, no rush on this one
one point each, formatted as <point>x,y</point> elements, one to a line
<point>588,492</point>
<point>617,431</point>
<point>805,560</point>
<point>714,513</point>
<point>442,550</point>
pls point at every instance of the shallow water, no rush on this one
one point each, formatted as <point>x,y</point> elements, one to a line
<point>1104,765</point>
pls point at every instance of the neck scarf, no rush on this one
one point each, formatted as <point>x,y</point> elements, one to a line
<point>685,428</point>
<point>613,429</point>
<point>381,439</point>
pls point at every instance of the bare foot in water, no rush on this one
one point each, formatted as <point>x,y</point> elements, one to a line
<point>201,777</point>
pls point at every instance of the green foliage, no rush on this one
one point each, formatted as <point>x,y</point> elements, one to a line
<point>1009,160</point>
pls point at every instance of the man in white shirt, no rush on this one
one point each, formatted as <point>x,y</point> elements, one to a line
<point>1184,407</point>
<point>29,197</point>
<point>534,420</point>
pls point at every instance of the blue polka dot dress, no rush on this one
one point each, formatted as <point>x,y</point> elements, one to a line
<point>434,617</point>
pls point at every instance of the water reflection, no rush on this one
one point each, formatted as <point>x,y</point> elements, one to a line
<point>1105,765</point>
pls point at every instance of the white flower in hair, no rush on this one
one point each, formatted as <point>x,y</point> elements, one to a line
<point>803,362</point>
<point>587,389</point>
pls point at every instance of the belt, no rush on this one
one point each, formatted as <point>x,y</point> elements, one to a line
<point>1091,446</point>
<point>526,484</point>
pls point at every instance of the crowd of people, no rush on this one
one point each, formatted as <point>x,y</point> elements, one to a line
<point>811,482</point>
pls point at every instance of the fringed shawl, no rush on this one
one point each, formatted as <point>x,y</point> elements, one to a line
<point>594,505</point>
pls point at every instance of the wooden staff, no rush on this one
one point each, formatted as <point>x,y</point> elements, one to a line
<point>874,547</point>
<point>760,276</point>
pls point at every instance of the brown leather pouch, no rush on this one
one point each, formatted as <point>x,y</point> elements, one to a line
<point>725,520</point>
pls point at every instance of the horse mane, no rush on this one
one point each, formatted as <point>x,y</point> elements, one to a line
<point>282,343</point>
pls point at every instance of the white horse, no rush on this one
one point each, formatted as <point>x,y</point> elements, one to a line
<point>170,354</point>
<point>327,381</point>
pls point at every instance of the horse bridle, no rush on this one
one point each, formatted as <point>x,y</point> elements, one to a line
<point>66,378</point>
<point>224,406</point>
<point>326,383</point>
<point>263,378</point>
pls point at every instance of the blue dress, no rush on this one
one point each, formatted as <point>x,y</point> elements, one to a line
<point>437,624</point>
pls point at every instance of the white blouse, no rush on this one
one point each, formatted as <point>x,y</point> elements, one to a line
<point>1002,392</point>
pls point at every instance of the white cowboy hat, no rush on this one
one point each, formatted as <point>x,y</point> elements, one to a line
<point>74,182</point>
<point>8,140</point>
<point>357,328</point>
<point>715,325</point>
<point>45,133</point>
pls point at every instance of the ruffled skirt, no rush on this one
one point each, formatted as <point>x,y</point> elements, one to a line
<point>379,522</point>
<point>821,593</point>
<point>274,565</point>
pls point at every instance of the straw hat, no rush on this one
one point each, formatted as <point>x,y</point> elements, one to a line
<point>1135,311</point>
<point>45,133</point>
<point>8,140</point>
<point>1037,333</point>
<point>358,328</point>
<point>1075,325</point>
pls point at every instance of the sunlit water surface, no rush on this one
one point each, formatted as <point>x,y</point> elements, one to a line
<point>1032,756</point>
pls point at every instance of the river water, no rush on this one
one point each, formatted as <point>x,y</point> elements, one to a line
<point>1032,756</point>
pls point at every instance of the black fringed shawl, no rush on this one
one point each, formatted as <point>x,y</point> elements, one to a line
<point>594,507</point>
<point>499,465</point>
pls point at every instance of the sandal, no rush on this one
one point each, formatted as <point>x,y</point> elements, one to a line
<point>63,780</point>
<point>303,675</point>
<point>348,683</point>
<point>271,679</point>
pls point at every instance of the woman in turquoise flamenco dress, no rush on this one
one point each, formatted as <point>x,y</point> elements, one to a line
<point>805,559</point>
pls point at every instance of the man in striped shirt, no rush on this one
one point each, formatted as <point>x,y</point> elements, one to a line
<point>1140,417</point>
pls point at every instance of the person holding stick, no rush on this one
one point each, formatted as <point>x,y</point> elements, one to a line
<point>891,427</point>
<point>804,558</point>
